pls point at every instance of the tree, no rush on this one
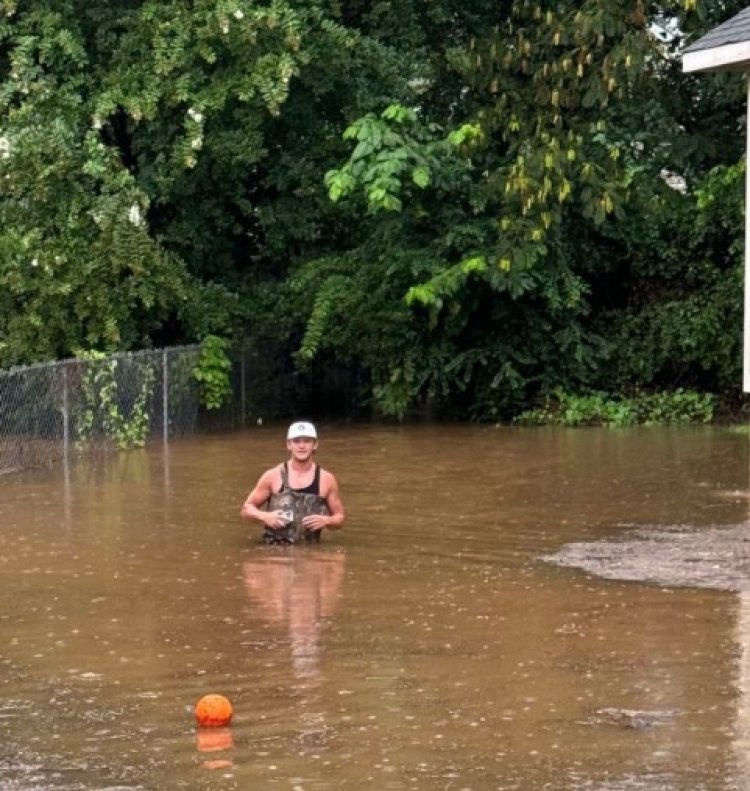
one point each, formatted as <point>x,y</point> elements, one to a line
<point>131,136</point>
<point>500,225</point>
<point>561,123</point>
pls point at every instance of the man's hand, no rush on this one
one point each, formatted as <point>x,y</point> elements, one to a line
<point>314,522</point>
<point>275,520</point>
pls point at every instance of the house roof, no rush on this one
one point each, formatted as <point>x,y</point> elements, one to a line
<point>725,48</point>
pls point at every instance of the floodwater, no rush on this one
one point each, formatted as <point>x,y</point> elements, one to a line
<point>442,640</point>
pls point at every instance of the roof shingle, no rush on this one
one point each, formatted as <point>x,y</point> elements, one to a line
<point>734,31</point>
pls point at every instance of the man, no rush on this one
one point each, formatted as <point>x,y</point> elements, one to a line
<point>296,500</point>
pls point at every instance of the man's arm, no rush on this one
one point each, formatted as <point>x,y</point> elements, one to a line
<point>330,492</point>
<point>259,496</point>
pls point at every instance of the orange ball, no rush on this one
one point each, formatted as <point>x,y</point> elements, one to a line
<point>213,711</point>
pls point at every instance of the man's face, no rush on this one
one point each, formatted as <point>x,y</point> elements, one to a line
<point>301,448</point>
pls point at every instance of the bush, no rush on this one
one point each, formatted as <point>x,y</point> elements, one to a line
<point>680,406</point>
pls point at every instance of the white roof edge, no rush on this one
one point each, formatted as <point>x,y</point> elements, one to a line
<point>729,57</point>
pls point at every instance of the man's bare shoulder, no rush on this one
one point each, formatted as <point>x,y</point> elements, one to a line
<point>270,477</point>
<point>328,481</point>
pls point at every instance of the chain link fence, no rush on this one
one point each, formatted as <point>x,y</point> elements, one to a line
<point>55,411</point>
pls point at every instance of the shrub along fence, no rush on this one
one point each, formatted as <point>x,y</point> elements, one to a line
<point>52,412</point>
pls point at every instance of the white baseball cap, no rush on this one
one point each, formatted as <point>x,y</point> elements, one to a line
<point>301,430</point>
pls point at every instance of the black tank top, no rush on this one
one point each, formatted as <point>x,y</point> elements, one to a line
<point>313,487</point>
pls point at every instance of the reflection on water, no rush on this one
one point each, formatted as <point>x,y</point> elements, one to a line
<point>296,590</point>
<point>426,646</point>
<point>213,741</point>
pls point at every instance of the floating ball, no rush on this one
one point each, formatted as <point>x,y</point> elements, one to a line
<point>213,711</point>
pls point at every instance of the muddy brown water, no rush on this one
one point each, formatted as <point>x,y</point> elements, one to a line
<point>505,609</point>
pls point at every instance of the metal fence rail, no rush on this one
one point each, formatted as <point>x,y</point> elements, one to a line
<point>54,411</point>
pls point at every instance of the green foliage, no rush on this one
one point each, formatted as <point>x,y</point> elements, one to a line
<point>126,138</point>
<point>103,414</point>
<point>212,371</point>
<point>78,267</point>
<point>545,139</point>
<point>461,207</point>
<point>675,407</point>
<point>389,149</point>
<point>522,253</point>
<point>677,315</point>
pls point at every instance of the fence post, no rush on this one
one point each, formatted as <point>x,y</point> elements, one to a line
<point>165,396</point>
<point>242,384</point>
<point>66,415</point>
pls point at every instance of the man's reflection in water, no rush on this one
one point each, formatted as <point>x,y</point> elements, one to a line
<point>298,590</point>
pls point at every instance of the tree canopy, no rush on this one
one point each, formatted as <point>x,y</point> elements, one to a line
<point>460,207</point>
